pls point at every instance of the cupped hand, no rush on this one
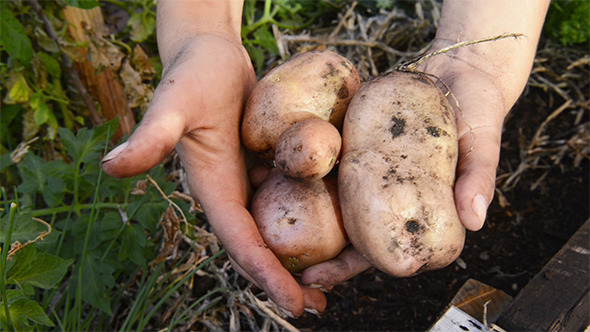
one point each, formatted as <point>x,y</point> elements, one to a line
<point>480,109</point>
<point>197,109</point>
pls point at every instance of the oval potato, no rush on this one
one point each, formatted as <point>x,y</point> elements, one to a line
<point>317,84</point>
<point>308,150</point>
<point>397,173</point>
<point>299,221</point>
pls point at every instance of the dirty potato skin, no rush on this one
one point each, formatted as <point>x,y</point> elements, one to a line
<point>397,173</point>
<point>308,150</point>
<point>299,221</point>
<point>317,84</point>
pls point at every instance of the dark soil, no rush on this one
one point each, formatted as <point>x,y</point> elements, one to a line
<point>515,243</point>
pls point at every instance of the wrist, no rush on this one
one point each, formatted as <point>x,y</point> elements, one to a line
<point>178,22</point>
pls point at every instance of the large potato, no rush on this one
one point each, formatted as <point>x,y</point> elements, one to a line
<point>397,174</point>
<point>317,84</point>
<point>299,221</point>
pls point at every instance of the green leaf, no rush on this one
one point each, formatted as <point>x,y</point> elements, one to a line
<point>54,192</point>
<point>42,110</point>
<point>133,244</point>
<point>25,228</point>
<point>41,270</point>
<point>142,26</point>
<point>22,309</point>
<point>14,39</point>
<point>87,145</point>
<point>97,279</point>
<point>5,161</point>
<point>265,38</point>
<point>47,178</point>
<point>83,4</point>
<point>46,42</point>
<point>20,92</point>
<point>33,177</point>
<point>51,64</point>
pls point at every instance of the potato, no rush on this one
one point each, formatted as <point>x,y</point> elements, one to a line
<point>397,173</point>
<point>299,221</point>
<point>316,84</point>
<point>308,150</point>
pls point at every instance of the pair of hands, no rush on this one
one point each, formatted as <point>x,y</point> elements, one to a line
<point>197,109</point>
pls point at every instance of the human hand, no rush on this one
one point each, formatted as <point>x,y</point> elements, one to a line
<point>197,108</point>
<point>480,109</point>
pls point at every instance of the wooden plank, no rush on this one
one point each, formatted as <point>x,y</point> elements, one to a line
<point>473,296</point>
<point>556,299</point>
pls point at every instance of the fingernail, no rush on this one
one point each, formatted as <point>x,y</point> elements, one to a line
<point>314,286</point>
<point>288,313</point>
<point>312,311</point>
<point>113,154</point>
<point>480,206</point>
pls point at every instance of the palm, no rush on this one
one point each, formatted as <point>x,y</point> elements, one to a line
<point>197,110</point>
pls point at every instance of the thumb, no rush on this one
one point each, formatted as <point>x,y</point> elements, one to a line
<point>155,137</point>
<point>479,153</point>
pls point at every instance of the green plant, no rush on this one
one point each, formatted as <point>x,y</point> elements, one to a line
<point>103,232</point>
<point>259,17</point>
<point>568,22</point>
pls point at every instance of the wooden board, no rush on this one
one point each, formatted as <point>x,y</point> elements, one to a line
<point>472,299</point>
<point>556,299</point>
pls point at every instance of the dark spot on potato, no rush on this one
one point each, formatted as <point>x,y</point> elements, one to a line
<point>393,245</point>
<point>363,96</point>
<point>404,156</point>
<point>298,148</point>
<point>433,131</point>
<point>291,221</point>
<point>283,165</point>
<point>412,226</point>
<point>398,127</point>
<point>332,71</point>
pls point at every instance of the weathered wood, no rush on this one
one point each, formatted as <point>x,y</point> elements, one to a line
<point>473,296</point>
<point>103,84</point>
<point>556,299</point>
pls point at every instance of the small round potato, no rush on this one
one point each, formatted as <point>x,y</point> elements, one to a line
<point>317,84</point>
<point>308,150</point>
<point>299,221</point>
<point>397,173</point>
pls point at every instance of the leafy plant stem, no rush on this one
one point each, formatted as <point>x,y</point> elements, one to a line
<point>80,207</point>
<point>5,250</point>
<point>93,211</point>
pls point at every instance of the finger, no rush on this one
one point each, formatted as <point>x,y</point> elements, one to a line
<point>217,177</point>
<point>257,175</point>
<point>476,176</point>
<point>315,300</point>
<point>154,138</point>
<point>480,117</point>
<point>346,265</point>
